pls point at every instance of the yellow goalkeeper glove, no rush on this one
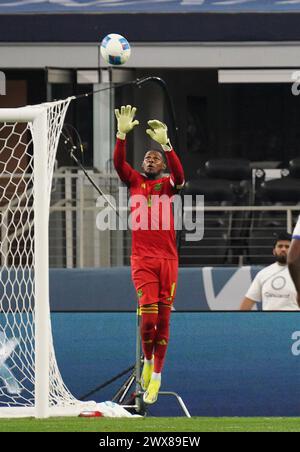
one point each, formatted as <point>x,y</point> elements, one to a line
<point>159,133</point>
<point>125,120</point>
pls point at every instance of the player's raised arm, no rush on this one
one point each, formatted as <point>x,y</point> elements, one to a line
<point>159,132</point>
<point>125,120</point>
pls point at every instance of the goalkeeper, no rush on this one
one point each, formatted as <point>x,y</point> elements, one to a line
<point>154,259</point>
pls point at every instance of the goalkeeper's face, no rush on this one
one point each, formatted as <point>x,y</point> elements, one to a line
<point>153,164</point>
<point>281,250</point>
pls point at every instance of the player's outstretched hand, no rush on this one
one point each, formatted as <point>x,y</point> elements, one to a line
<point>159,133</point>
<point>125,120</point>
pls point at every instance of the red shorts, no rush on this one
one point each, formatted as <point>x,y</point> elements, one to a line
<point>155,280</point>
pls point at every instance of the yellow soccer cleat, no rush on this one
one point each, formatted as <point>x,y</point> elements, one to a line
<point>151,395</point>
<point>146,374</point>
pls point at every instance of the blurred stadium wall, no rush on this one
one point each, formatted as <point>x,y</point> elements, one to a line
<point>222,364</point>
<point>95,290</point>
<point>51,50</point>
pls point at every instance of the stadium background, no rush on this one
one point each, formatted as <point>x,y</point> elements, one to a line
<point>50,51</point>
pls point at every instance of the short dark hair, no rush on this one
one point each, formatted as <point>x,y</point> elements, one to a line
<point>160,152</point>
<point>282,236</point>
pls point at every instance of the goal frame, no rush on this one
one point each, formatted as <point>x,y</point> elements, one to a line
<point>37,115</point>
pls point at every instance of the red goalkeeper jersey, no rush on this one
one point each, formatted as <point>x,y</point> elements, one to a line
<point>152,219</point>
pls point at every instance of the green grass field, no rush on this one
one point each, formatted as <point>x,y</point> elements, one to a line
<point>196,424</point>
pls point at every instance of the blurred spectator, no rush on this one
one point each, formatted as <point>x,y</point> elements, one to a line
<point>273,286</point>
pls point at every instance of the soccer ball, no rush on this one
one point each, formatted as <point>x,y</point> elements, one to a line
<point>115,49</point>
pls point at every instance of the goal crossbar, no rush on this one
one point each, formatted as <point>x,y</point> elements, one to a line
<point>30,382</point>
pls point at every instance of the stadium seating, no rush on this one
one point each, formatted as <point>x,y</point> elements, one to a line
<point>223,182</point>
<point>265,224</point>
<point>214,245</point>
<point>245,237</point>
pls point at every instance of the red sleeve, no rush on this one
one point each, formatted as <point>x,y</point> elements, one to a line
<point>177,173</point>
<point>123,168</point>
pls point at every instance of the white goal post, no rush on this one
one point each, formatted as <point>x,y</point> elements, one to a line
<point>30,382</point>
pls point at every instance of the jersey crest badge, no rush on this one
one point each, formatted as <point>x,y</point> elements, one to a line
<point>157,187</point>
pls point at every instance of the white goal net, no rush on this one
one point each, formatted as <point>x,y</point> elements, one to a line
<point>30,382</point>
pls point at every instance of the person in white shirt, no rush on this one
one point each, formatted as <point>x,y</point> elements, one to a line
<point>273,286</point>
<point>293,259</point>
